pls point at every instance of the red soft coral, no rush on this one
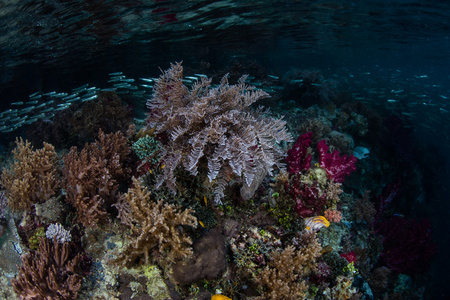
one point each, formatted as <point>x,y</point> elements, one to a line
<point>299,157</point>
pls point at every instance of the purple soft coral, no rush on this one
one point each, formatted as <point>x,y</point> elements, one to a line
<point>337,167</point>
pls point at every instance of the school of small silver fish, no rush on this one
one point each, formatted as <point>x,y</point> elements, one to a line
<point>415,99</point>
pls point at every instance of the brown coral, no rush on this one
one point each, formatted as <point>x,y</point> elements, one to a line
<point>214,128</point>
<point>33,176</point>
<point>155,227</point>
<point>92,176</point>
<point>207,262</point>
<point>48,273</point>
<point>108,113</point>
<point>286,274</point>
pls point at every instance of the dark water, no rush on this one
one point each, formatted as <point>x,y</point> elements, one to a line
<point>392,55</point>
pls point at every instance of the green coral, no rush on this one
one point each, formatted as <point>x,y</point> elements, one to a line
<point>33,241</point>
<point>350,268</point>
<point>147,148</point>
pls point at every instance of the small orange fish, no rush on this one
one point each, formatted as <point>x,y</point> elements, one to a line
<point>315,223</point>
<point>201,224</point>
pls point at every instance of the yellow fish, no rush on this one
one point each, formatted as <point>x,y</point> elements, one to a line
<point>315,223</point>
<point>206,200</point>
<point>201,223</point>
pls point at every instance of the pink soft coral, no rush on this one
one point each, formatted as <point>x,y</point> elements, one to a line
<point>337,167</point>
<point>333,215</point>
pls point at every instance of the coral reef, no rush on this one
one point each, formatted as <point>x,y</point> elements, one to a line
<point>276,233</point>
<point>156,228</point>
<point>214,128</point>
<point>92,176</point>
<point>33,176</point>
<point>48,273</point>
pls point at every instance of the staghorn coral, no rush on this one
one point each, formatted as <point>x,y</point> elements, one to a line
<point>286,274</point>
<point>155,227</point>
<point>92,176</point>
<point>33,176</point>
<point>48,273</point>
<point>214,128</point>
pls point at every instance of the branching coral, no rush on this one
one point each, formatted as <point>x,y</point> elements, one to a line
<point>33,176</point>
<point>155,227</point>
<point>215,124</point>
<point>286,274</point>
<point>48,273</point>
<point>92,176</point>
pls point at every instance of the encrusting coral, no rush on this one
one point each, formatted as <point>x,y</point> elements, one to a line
<point>48,273</point>
<point>214,126</point>
<point>32,177</point>
<point>92,176</point>
<point>155,227</point>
